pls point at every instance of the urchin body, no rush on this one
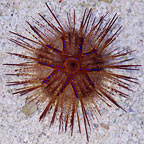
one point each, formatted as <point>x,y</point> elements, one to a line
<point>69,68</point>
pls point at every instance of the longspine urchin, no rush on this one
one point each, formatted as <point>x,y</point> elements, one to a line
<point>70,66</point>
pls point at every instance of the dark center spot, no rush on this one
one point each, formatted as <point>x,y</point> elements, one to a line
<point>71,65</point>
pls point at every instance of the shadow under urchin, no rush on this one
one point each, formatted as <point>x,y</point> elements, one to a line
<point>70,68</point>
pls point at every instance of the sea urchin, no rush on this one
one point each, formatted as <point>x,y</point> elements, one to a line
<point>68,68</point>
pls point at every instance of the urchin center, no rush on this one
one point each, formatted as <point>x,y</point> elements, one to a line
<point>71,65</point>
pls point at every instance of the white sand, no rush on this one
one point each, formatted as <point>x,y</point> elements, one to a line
<point>124,128</point>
